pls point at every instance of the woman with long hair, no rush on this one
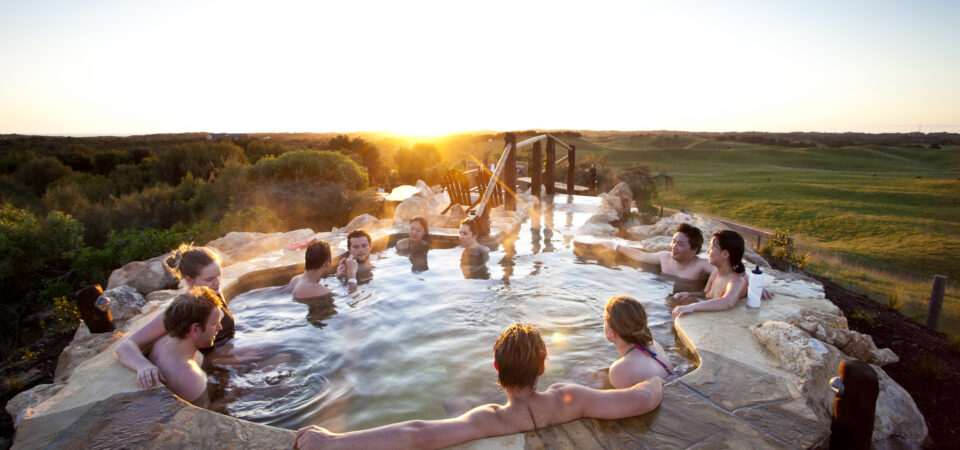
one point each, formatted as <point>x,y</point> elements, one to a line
<point>727,285</point>
<point>641,357</point>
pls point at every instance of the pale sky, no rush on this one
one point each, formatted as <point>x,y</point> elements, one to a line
<point>128,67</point>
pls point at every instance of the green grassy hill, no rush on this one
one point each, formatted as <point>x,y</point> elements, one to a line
<point>882,220</point>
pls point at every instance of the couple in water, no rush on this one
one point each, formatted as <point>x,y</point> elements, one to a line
<point>352,270</point>
<point>723,270</point>
<point>194,330</point>
<point>518,356</point>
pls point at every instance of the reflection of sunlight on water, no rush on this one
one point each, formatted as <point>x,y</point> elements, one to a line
<point>400,345</point>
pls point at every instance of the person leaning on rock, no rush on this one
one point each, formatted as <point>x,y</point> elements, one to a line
<point>192,322</point>
<point>519,356</point>
<point>681,261</point>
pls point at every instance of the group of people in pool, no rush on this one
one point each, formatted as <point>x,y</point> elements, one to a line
<point>171,348</point>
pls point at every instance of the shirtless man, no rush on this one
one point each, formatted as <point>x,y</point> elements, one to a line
<point>317,264</point>
<point>358,245</point>
<point>192,322</point>
<point>681,261</point>
<point>519,356</point>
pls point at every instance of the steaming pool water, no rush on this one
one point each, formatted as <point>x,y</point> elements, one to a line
<point>404,343</point>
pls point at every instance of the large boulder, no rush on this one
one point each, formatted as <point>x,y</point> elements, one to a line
<point>813,363</point>
<point>413,206</point>
<point>23,403</point>
<point>625,194</point>
<point>612,201</point>
<point>639,232</point>
<point>125,303</point>
<point>83,346</point>
<point>597,229</point>
<point>365,221</point>
<point>832,329</point>
<point>235,246</point>
<point>145,276</point>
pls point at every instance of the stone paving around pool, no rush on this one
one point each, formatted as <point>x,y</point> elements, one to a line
<point>761,381</point>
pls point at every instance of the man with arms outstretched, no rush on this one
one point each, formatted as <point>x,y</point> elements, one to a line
<point>192,322</point>
<point>681,261</point>
<point>519,356</point>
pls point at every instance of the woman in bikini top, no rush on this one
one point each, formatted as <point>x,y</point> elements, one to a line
<point>727,285</point>
<point>625,325</point>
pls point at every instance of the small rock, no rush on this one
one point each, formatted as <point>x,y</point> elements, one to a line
<point>622,190</point>
<point>125,303</point>
<point>639,232</point>
<point>597,229</point>
<point>365,221</point>
<point>20,406</point>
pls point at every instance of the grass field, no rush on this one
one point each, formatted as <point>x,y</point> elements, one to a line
<point>880,220</point>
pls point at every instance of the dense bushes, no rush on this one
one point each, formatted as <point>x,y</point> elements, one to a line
<point>308,165</point>
<point>420,161</point>
<point>36,263</point>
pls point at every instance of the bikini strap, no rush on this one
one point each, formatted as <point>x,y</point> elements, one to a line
<point>654,356</point>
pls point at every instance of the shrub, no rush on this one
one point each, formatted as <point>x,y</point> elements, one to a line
<point>418,162</point>
<point>865,317</point>
<point>12,161</point>
<point>308,165</point>
<point>782,246</point>
<point>38,173</point>
<point>259,149</point>
<point>895,298</point>
<point>36,262</point>
<point>202,160</point>
<point>105,162</point>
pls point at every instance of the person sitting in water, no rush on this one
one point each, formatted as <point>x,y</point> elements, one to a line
<point>199,267</point>
<point>416,245</point>
<point>727,284</point>
<point>641,357</point>
<point>519,356</point>
<point>681,261</point>
<point>473,260</point>
<point>192,322</point>
<point>317,264</point>
<point>416,240</point>
<point>358,247</point>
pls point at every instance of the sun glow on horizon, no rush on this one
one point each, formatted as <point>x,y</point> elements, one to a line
<point>431,68</point>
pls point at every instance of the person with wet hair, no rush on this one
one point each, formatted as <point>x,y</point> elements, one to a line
<point>727,285</point>
<point>681,261</point>
<point>356,268</point>
<point>641,357</point>
<point>417,239</point>
<point>192,322</point>
<point>519,356</point>
<point>473,260</point>
<point>198,267</point>
<point>317,265</point>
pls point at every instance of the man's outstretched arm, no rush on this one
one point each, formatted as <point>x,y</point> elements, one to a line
<point>633,253</point>
<point>477,423</point>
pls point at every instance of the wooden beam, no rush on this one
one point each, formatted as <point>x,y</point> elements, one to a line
<point>571,168</point>
<point>510,174</point>
<point>535,169</point>
<point>562,144</point>
<point>548,167</point>
<point>493,181</point>
<point>530,141</point>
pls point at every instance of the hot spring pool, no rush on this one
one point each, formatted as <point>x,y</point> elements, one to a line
<point>404,343</point>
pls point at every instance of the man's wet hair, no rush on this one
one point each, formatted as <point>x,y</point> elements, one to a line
<point>189,308</point>
<point>519,354</point>
<point>359,233</point>
<point>317,254</point>
<point>693,234</point>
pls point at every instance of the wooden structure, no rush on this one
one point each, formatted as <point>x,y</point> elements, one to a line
<point>505,172</point>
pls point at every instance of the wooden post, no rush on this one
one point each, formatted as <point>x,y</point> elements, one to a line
<point>758,242</point>
<point>510,173</point>
<point>535,170</point>
<point>936,301</point>
<point>548,169</point>
<point>571,168</point>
